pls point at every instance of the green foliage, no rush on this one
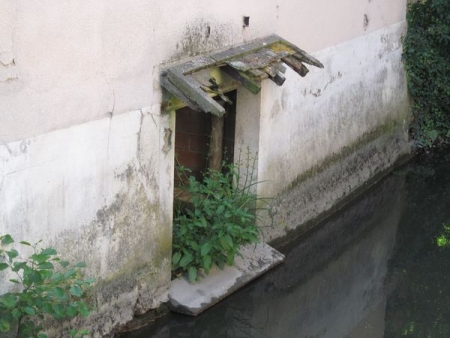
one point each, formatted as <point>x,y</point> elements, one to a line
<point>426,54</point>
<point>221,218</point>
<point>443,240</point>
<point>48,286</point>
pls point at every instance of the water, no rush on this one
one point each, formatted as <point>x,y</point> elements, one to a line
<point>372,270</point>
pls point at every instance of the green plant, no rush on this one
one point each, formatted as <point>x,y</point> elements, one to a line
<point>443,240</point>
<point>426,51</point>
<point>43,289</point>
<point>220,217</point>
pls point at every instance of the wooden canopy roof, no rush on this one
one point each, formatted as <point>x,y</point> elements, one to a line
<point>196,82</point>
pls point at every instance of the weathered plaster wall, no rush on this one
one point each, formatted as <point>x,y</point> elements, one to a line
<point>302,22</point>
<point>98,192</point>
<point>324,136</point>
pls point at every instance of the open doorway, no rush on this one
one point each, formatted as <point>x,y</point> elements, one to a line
<point>193,134</point>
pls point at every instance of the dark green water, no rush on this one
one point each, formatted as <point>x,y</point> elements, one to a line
<point>373,270</point>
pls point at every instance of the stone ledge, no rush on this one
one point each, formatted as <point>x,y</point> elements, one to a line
<point>194,298</point>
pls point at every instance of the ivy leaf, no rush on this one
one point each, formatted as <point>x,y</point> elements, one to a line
<point>7,239</point>
<point>206,248</point>
<point>80,265</point>
<point>12,254</point>
<point>176,257</point>
<point>16,313</point>
<point>64,264</point>
<point>40,258</point>
<point>8,300</point>
<point>29,310</point>
<point>192,273</point>
<point>207,262</point>
<point>5,326</point>
<point>76,291</point>
<point>71,311</point>
<point>49,252</point>
<point>45,266</point>
<point>3,266</point>
<point>186,260</point>
<point>224,243</point>
<point>69,273</point>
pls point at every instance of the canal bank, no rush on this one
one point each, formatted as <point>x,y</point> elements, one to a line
<point>373,269</point>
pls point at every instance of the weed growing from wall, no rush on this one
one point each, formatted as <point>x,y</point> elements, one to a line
<point>219,217</point>
<point>46,287</point>
<point>426,54</point>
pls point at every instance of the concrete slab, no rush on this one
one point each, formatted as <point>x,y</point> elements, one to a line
<point>194,298</point>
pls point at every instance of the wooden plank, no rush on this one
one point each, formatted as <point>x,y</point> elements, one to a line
<point>302,55</point>
<point>257,73</point>
<point>204,77</point>
<point>216,143</point>
<point>271,71</point>
<point>243,78</point>
<point>281,49</point>
<point>306,58</point>
<point>191,88</point>
<point>279,79</point>
<point>255,60</point>
<point>176,92</point>
<point>196,64</point>
<point>279,67</point>
<point>296,65</point>
<point>245,48</point>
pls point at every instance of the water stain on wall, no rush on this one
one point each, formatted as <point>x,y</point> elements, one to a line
<point>201,36</point>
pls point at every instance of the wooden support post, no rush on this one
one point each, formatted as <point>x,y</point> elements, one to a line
<point>216,143</point>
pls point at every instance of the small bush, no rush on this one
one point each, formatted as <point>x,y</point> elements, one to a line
<point>426,55</point>
<point>44,290</point>
<point>443,240</point>
<point>221,217</point>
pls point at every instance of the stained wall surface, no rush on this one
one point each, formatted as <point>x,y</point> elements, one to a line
<point>86,156</point>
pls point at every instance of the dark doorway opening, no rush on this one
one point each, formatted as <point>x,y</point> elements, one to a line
<point>192,139</point>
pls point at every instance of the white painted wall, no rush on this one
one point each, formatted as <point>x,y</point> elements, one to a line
<point>86,158</point>
<point>361,88</point>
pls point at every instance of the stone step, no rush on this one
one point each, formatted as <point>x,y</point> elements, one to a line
<point>194,298</point>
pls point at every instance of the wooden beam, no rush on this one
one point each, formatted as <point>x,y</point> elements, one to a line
<point>243,78</point>
<point>302,55</point>
<point>191,88</point>
<point>175,91</point>
<point>275,75</point>
<point>279,79</point>
<point>296,65</point>
<point>306,58</point>
<point>216,143</point>
<point>245,48</point>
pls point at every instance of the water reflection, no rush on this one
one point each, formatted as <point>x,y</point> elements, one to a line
<point>374,270</point>
<point>419,271</point>
<point>331,284</point>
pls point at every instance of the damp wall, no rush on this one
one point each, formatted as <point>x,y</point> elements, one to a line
<point>325,136</point>
<point>86,156</point>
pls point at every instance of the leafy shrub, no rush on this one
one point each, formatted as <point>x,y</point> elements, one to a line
<point>426,54</point>
<point>44,290</point>
<point>221,217</point>
<point>444,239</point>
